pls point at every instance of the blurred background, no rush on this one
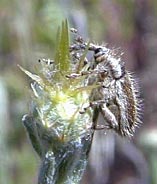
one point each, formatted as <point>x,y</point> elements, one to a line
<point>27,33</point>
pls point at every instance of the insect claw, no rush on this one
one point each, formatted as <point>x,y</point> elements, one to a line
<point>101,127</point>
<point>73,75</point>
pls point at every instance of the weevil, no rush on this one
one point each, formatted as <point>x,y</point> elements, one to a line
<point>117,98</point>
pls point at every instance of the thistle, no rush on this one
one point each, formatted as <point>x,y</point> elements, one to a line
<point>69,93</point>
<point>59,132</point>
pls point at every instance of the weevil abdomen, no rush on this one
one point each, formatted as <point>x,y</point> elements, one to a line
<point>129,105</point>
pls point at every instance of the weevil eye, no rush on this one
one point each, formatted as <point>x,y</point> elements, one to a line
<point>98,50</point>
<point>101,50</point>
<point>100,53</point>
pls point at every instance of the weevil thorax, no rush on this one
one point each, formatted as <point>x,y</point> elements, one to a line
<point>110,70</point>
<point>113,63</point>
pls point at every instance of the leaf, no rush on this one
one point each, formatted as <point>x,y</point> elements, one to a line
<point>34,77</point>
<point>62,56</point>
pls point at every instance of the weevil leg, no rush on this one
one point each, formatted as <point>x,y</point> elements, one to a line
<point>91,104</point>
<point>109,117</point>
<point>95,121</point>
